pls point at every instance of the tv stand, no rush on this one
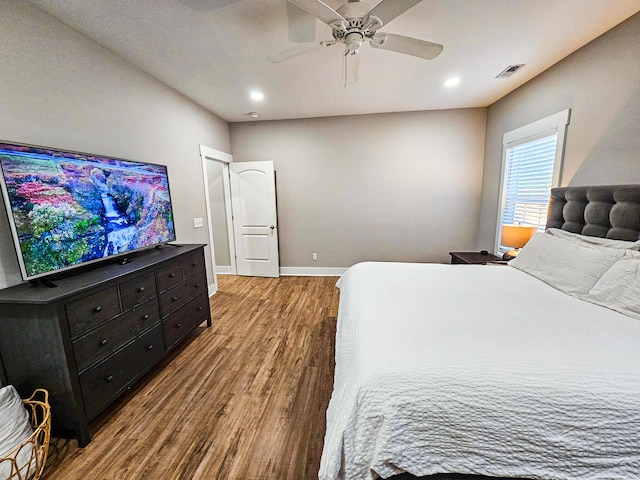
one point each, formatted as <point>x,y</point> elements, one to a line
<point>91,338</point>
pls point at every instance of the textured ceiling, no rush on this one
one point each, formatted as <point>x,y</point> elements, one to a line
<point>214,51</point>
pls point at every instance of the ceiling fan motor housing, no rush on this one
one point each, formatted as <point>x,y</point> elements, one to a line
<point>359,27</point>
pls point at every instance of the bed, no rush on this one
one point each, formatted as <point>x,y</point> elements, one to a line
<point>527,370</point>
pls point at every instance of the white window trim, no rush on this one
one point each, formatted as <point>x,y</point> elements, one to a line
<point>553,123</point>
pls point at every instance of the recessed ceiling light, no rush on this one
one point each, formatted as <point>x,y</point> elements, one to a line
<point>452,82</point>
<point>255,95</point>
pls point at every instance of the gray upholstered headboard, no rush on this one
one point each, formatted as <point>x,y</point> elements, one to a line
<point>602,211</point>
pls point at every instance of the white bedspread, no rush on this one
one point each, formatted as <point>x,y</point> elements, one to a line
<point>479,370</point>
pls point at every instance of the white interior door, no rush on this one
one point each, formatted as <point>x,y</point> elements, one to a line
<point>253,201</point>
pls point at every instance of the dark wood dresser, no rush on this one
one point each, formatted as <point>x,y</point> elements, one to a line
<point>90,338</point>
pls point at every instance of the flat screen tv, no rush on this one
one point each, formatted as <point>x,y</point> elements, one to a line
<point>67,209</point>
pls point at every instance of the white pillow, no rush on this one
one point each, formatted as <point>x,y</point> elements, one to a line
<point>603,242</point>
<point>14,429</point>
<point>571,267</point>
<point>619,287</point>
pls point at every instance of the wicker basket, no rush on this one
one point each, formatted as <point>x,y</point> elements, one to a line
<point>27,460</point>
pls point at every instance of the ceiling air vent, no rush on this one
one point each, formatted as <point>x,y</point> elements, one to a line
<point>510,70</point>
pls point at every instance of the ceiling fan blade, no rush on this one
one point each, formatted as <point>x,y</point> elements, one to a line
<point>319,10</point>
<point>406,45</point>
<point>299,50</point>
<point>350,66</point>
<point>387,10</point>
<point>302,26</point>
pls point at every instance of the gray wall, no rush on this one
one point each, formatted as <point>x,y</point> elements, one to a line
<point>391,187</point>
<point>401,186</point>
<point>600,83</point>
<point>60,89</point>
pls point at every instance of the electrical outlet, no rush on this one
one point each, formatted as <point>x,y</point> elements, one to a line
<point>314,256</point>
<point>198,222</point>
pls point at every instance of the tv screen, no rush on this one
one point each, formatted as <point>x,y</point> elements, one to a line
<point>67,209</point>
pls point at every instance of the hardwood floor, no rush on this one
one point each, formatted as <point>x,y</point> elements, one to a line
<point>244,399</point>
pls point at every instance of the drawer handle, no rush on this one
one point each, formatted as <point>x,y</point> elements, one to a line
<point>174,299</point>
<point>145,317</point>
<point>97,309</point>
<point>197,285</point>
<point>103,342</point>
<point>200,308</point>
<point>149,348</point>
<point>108,379</point>
<point>178,325</point>
<point>195,264</point>
<point>141,289</point>
<point>171,275</point>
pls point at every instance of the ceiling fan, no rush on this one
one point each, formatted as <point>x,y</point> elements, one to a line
<point>354,23</point>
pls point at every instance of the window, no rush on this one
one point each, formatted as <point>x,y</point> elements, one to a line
<point>531,166</point>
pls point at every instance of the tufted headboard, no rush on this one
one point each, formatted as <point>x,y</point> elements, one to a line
<point>611,211</point>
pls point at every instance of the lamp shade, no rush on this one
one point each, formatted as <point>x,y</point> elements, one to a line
<point>516,236</point>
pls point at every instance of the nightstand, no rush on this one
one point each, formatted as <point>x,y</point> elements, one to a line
<point>473,258</point>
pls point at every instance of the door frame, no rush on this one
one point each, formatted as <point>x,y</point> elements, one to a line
<point>208,154</point>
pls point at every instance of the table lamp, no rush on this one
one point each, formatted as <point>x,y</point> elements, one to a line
<point>515,236</point>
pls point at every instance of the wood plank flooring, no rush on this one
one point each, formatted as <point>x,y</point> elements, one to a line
<point>244,399</point>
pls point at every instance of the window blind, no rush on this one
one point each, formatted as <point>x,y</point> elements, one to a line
<point>528,180</point>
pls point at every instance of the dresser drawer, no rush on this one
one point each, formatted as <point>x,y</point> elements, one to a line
<point>169,275</point>
<point>193,264</point>
<point>173,299</point>
<point>196,285</point>
<point>138,290</point>
<point>109,337</point>
<point>180,323</point>
<point>91,311</point>
<point>102,383</point>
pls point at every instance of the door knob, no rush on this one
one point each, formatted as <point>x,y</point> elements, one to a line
<point>272,227</point>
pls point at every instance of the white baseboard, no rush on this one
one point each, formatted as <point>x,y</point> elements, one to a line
<point>223,270</point>
<point>212,289</point>
<point>312,271</point>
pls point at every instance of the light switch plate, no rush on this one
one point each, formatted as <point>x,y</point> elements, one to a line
<point>198,222</point>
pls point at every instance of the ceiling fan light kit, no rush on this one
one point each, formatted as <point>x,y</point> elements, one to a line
<point>354,23</point>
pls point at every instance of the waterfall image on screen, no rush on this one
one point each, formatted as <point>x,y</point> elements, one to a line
<point>67,208</point>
